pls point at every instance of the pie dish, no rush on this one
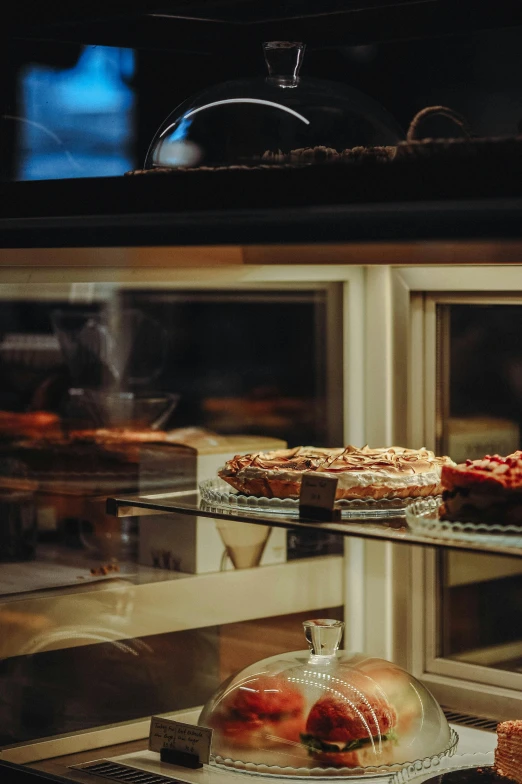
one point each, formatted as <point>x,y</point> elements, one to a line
<point>362,473</point>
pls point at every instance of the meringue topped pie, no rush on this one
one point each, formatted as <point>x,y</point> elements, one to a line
<point>390,472</point>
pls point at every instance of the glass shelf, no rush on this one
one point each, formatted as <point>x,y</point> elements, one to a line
<point>392,529</point>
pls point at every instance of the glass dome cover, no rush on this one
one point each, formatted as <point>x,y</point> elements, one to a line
<point>281,118</point>
<point>325,712</point>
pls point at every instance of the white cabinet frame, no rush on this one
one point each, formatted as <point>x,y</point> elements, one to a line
<point>471,688</point>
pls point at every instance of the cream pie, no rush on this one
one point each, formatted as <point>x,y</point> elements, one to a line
<point>392,472</point>
<point>483,491</point>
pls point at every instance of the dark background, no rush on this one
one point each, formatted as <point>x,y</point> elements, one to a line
<point>475,73</point>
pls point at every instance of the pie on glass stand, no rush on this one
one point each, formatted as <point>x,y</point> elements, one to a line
<point>362,473</point>
<point>484,491</point>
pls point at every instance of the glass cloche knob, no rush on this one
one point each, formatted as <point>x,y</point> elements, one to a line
<point>283,60</point>
<point>323,636</point>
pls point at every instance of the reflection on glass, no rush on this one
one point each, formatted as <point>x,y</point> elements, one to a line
<point>47,687</point>
<point>480,412</point>
<point>480,379</point>
<point>480,614</point>
<point>77,122</point>
<point>143,391</point>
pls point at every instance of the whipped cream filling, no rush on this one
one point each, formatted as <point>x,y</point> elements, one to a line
<point>346,479</point>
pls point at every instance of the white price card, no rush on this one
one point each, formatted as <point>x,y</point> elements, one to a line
<point>317,497</point>
<point>188,738</point>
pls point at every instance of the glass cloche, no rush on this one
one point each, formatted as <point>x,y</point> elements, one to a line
<point>279,119</point>
<point>325,712</point>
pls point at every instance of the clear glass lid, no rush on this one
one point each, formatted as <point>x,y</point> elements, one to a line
<point>325,711</point>
<point>281,118</point>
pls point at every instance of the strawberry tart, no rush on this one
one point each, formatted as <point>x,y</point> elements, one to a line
<point>483,491</point>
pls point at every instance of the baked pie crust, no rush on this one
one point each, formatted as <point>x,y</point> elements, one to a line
<point>392,472</point>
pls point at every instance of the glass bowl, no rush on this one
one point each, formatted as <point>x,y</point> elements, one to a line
<point>325,713</point>
<point>281,118</point>
<point>108,409</point>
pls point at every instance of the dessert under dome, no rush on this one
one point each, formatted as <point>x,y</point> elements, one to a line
<point>249,122</point>
<point>325,712</point>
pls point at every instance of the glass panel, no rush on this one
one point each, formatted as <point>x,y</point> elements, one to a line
<point>480,614</point>
<point>480,412</point>
<point>106,390</point>
<point>48,691</point>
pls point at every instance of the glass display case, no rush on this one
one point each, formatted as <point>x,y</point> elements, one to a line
<point>113,565</point>
<point>343,319</point>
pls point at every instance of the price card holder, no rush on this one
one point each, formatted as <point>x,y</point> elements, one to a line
<point>180,744</point>
<point>317,498</point>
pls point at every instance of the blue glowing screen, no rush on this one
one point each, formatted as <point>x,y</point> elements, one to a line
<point>77,122</point>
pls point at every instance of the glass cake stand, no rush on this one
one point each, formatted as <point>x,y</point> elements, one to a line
<point>423,518</point>
<point>417,773</point>
<point>218,493</point>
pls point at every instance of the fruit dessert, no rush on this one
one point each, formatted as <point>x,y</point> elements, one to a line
<point>483,491</point>
<point>362,473</point>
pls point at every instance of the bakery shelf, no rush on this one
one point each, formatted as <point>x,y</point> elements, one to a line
<point>280,221</point>
<point>124,609</point>
<point>391,530</point>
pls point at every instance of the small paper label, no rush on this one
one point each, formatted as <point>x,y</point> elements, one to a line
<point>317,498</point>
<point>170,734</point>
<point>318,491</point>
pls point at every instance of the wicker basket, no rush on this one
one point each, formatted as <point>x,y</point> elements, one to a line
<point>501,148</point>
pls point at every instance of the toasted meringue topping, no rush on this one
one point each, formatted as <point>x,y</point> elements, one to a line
<point>389,461</point>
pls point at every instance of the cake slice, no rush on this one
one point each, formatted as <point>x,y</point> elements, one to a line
<point>508,754</point>
<point>483,491</point>
<point>507,768</point>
